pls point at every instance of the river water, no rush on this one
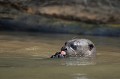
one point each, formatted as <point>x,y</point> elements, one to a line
<point>26,56</point>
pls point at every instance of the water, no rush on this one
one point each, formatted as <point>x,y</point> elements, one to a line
<point>26,56</point>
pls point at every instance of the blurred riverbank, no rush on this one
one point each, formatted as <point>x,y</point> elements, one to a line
<point>100,18</point>
<point>42,24</point>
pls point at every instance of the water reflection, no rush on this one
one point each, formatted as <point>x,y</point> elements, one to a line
<point>80,76</point>
<point>77,61</point>
<point>73,61</point>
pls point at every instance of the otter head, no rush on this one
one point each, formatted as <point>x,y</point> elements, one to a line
<point>79,48</point>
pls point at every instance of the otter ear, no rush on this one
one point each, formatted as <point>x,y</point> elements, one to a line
<point>91,46</point>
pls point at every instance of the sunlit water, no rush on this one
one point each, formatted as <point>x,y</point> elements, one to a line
<point>26,56</point>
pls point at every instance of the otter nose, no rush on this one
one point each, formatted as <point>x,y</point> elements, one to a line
<point>63,48</point>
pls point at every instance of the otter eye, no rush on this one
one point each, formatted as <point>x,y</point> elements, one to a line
<point>73,46</point>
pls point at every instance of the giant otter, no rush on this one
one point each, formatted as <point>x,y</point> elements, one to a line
<point>77,48</point>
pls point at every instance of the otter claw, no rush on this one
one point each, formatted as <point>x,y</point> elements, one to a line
<point>58,55</point>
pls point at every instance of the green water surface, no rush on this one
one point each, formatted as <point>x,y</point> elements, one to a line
<point>26,56</point>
